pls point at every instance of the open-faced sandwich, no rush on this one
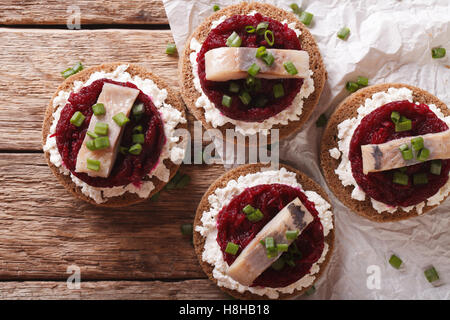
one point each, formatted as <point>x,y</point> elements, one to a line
<point>109,134</point>
<point>385,152</point>
<point>252,67</point>
<point>262,233</point>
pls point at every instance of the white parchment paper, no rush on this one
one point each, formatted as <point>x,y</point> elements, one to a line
<point>390,41</point>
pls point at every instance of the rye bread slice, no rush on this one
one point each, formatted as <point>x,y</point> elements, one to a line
<point>127,198</point>
<point>348,109</point>
<point>190,94</point>
<point>221,182</point>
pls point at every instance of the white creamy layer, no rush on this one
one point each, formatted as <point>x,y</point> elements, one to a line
<point>173,149</point>
<point>222,197</point>
<point>345,134</point>
<point>217,119</point>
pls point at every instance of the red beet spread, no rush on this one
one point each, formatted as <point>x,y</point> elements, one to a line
<point>377,127</point>
<point>233,226</point>
<point>127,168</point>
<point>285,38</point>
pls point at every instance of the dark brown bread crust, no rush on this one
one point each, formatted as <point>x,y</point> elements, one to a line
<point>127,198</point>
<point>199,241</point>
<point>190,95</point>
<point>348,109</point>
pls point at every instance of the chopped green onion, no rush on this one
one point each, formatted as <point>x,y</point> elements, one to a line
<point>138,138</point>
<point>184,181</point>
<point>232,248</point>
<point>282,247</point>
<point>261,101</point>
<point>437,53</point>
<point>187,229</point>
<point>270,243</point>
<point>404,124</point>
<point>321,121</point>
<point>423,154</point>
<point>407,153</point>
<point>400,178</point>
<point>395,116</point>
<point>310,291</point>
<point>420,178</point>
<point>290,68</point>
<point>226,100</point>
<point>171,49</point>
<point>92,134</point>
<point>417,143</point>
<point>278,264</point>
<point>138,128</point>
<point>234,87</point>
<point>90,144</point>
<point>101,143</point>
<point>395,261</point>
<point>138,109</point>
<point>362,81</point>
<point>248,209</point>
<point>123,150</point>
<point>250,29</point>
<point>306,18</point>
<point>262,27</point>
<point>343,33</point>
<point>216,8</point>
<point>436,167</point>
<point>234,40</point>
<point>99,109</point>
<point>351,86</point>
<point>77,119</point>
<point>71,71</point>
<point>101,128</point>
<point>269,37</point>
<point>295,8</point>
<point>121,119</point>
<point>431,274</point>
<point>255,216</point>
<point>278,90</point>
<point>261,52</point>
<point>292,234</point>
<point>245,97</point>
<point>268,59</point>
<point>253,70</point>
<point>135,149</point>
<point>93,165</point>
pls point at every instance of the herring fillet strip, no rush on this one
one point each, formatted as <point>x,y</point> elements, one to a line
<point>387,156</point>
<point>253,259</point>
<point>223,64</point>
<point>116,99</point>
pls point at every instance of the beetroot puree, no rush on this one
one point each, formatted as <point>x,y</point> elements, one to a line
<point>233,226</point>
<point>127,168</point>
<point>377,127</point>
<point>285,38</point>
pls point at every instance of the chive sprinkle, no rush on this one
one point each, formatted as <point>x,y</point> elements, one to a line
<point>234,87</point>
<point>438,53</point>
<point>77,119</point>
<point>351,86</point>
<point>98,109</point>
<point>295,8</point>
<point>395,261</point>
<point>436,167</point>
<point>121,119</point>
<point>91,134</point>
<point>306,18</point>
<point>245,97</point>
<point>101,128</point>
<point>290,68</point>
<point>417,143</point>
<point>138,138</point>
<point>423,154</point>
<point>248,209</point>
<point>234,40</point>
<point>101,143</point>
<point>362,81</point>
<point>232,248</point>
<point>400,178</point>
<point>254,70</point>
<point>343,33</point>
<point>292,234</point>
<point>216,8</point>
<point>135,149</point>
<point>278,91</point>
<point>420,178</point>
<point>73,70</point>
<point>250,29</point>
<point>92,164</point>
<point>171,49</point>
<point>262,27</point>
<point>431,274</point>
<point>269,37</point>
<point>138,109</point>
<point>226,101</point>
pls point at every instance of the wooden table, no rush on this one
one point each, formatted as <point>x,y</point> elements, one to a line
<point>129,253</point>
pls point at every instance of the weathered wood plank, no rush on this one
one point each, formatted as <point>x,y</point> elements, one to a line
<point>112,290</point>
<point>31,62</point>
<point>44,229</point>
<point>57,12</point>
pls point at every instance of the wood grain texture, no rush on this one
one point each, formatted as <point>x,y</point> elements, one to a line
<point>31,62</point>
<point>44,229</point>
<point>55,12</point>
<point>111,290</point>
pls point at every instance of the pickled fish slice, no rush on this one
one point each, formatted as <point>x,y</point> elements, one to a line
<point>223,64</point>
<point>253,259</point>
<point>116,99</point>
<point>387,156</point>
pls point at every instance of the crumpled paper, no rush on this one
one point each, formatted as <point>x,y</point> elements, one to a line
<point>390,41</point>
